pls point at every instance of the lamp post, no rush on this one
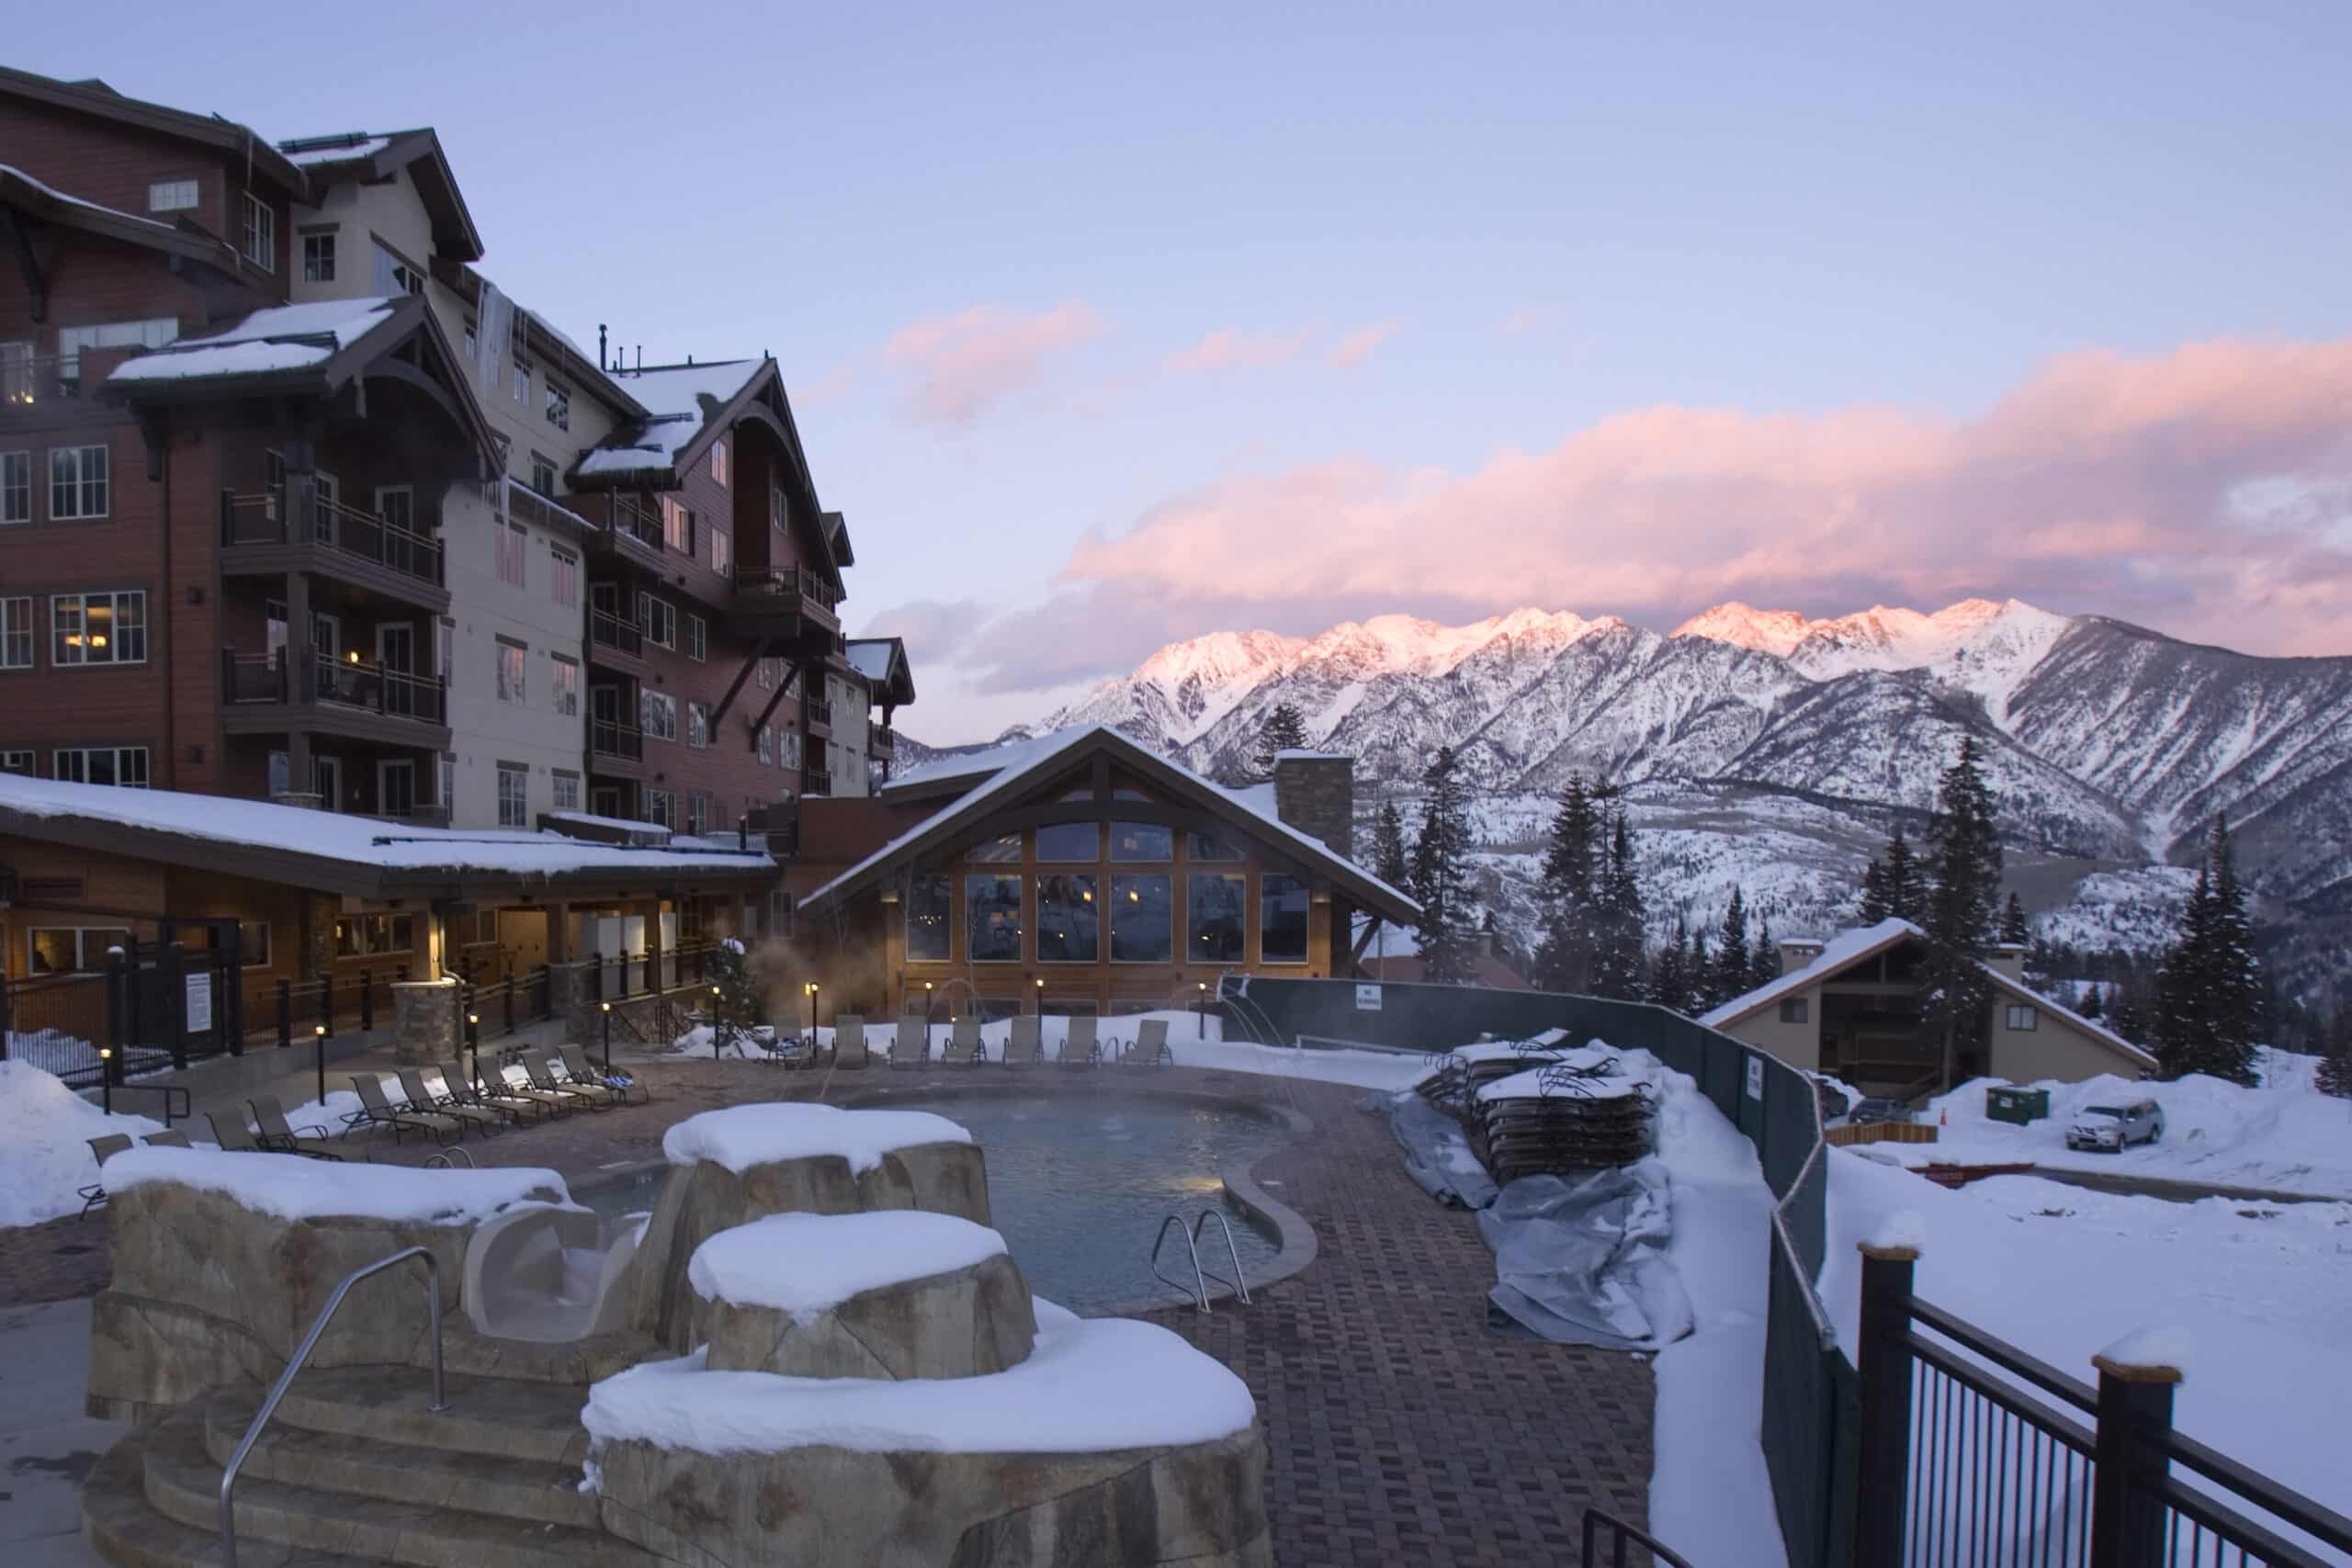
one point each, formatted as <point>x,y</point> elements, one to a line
<point>105,1078</point>
<point>1201,1009</point>
<point>1041,996</point>
<point>473,1043</point>
<point>607,1008</point>
<point>812,1014</point>
<point>926,1004</point>
<point>319,1058</point>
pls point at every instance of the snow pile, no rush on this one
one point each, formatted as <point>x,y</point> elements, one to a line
<point>1090,1386</point>
<point>2150,1347</point>
<point>2284,1136</point>
<point>332,1112</point>
<point>744,1136</point>
<point>805,1264</point>
<point>294,1189</point>
<point>1902,1228</point>
<point>701,1044</point>
<point>44,1152</point>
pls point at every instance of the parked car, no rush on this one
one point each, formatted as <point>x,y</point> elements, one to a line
<point>2117,1127</point>
<point>1877,1109</point>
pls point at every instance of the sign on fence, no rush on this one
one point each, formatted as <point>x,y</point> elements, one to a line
<point>1755,1078</point>
<point>200,1002</point>
<point>1367,998</point>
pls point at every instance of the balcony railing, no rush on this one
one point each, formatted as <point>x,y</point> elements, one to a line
<point>297,515</point>
<point>30,381</point>
<point>790,581</point>
<point>881,740</point>
<point>355,683</point>
<point>608,630</point>
<point>816,781</point>
<point>609,737</point>
<point>820,711</point>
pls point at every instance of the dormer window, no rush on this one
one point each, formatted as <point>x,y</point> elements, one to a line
<point>719,461</point>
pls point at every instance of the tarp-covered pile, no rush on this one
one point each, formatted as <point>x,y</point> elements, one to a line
<point>1455,1077</point>
<point>1584,1262</point>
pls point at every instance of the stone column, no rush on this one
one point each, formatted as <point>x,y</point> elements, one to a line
<point>424,1023</point>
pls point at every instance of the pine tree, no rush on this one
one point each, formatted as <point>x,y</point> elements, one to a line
<point>1617,947</point>
<point>1731,952</point>
<point>1964,864</point>
<point>1669,974</point>
<point>1764,959</point>
<point>2209,988</point>
<point>2092,1005</point>
<point>1283,731</point>
<point>1702,999</point>
<point>1389,861</point>
<point>2015,932</point>
<point>2334,1075</point>
<point>1895,885</point>
<point>1568,892</point>
<point>736,1003</point>
<point>1439,872</point>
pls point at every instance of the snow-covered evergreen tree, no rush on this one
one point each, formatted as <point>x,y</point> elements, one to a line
<point>738,1004</point>
<point>1670,974</point>
<point>1568,893</point>
<point>1764,957</point>
<point>1894,885</point>
<point>2209,989</point>
<point>1439,872</point>
<point>1285,730</point>
<point>1964,866</point>
<point>1617,947</point>
<point>2335,1062</point>
<point>2014,930</point>
<point>1730,975</point>
<point>1388,853</point>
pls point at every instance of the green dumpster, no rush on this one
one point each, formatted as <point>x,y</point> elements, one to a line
<point>2019,1106</point>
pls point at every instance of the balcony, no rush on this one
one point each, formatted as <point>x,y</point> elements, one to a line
<point>631,537</point>
<point>881,740</point>
<point>816,781</point>
<point>820,714</point>
<point>794,606</point>
<point>266,692</point>
<point>33,384</point>
<point>615,747</point>
<point>268,533</point>
<point>614,642</point>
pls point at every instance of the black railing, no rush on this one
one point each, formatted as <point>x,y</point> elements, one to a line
<point>820,711</point>
<point>29,382</point>
<point>252,677</point>
<point>1972,1451</point>
<point>609,737</point>
<point>1603,1527</point>
<point>881,740</point>
<point>787,582</point>
<point>297,514</point>
<point>618,976</point>
<point>395,693</point>
<point>608,630</point>
<point>512,1002</point>
<point>816,781</point>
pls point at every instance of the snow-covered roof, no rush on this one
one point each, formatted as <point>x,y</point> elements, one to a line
<point>644,832</point>
<point>1006,769</point>
<point>805,1264</point>
<point>56,194</point>
<point>871,658</point>
<point>47,805</point>
<point>678,399</point>
<point>284,337</point>
<point>309,152</point>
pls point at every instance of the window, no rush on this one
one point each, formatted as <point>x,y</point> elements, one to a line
<point>697,639</point>
<point>396,505</point>
<point>394,274</point>
<point>473,342</point>
<point>2023,1017</point>
<point>18,762</point>
<point>1002,851</point>
<point>788,754</point>
<point>152,333</point>
<point>1796,1009</point>
<point>767,672</point>
<point>1201,847</point>
<point>775,507</point>
<point>512,538</point>
<point>567,791</point>
<point>563,577</point>
<point>927,916</point>
<point>511,661</point>
<point>444,652</point>
<point>261,234</point>
<point>16,634</point>
<point>253,944</point>
<point>365,936</point>
<point>543,474</point>
<point>992,919</point>
<point>660,715</point>
<point>677,527</point>
<point>16,486</point>
<point>1070,842</point>
<point>763,744</point>
<point>77,483</point>
<point>523,385</point>
<point>125,766</point>
<point>448,798</point>
<point>1141,841</point>
<point>318,258</point>
<point>174,196</point>
<point>1142,925</point>
<point>513,795</point>
<point>659,619</point>
<point>566,680</point>
<point>1215,908</point>
<point>698,813</point>
<point>559,406</point>
<point>1069,922</point>
<point>660,806</point>
<point>722,552</point>
<point>64,949</point>
<point>98,629</point>
<point>698,725</point>
<point>719,461</point>
<point>1282,919</point>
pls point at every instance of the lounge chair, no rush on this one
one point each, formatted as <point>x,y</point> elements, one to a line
<point>234,1137</point>
<point>273,1133</point>
<point>911,1043</point>
<point>1079,1047</point>
<point>559,1072</point>
<point>543,1079</point>
<point>849,1041</point>
<point>451,1083</point>
<point>169,1138</point>
<point>102,1150</point>
<point>1150,1048</point>
<point>377,1111</point>
<point>421,1098</point>
<point>586,1071</point>
<point>1026,1046</point>
<point>964,1043</point>
<point>514,1082</point>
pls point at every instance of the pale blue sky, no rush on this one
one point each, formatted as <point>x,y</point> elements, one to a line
<point>1771,210</point>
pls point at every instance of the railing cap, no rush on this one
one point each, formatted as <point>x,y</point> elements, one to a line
<point>1898,1237</point>
<point>2147,1355</point>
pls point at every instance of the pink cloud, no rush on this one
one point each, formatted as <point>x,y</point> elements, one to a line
<point>2201,493</point>
<point>962,363</point>
<point>1526,318</point>
<point>1355,347</point>
<point>1229,348</point>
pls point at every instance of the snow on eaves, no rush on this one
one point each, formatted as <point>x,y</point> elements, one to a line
<point>330,835</point>
<point>870,658</point>
<point>675,399</point>
<point>1845,948</point>
<point>52,191</point>
<point>307,151</point>
<point>284,337</point>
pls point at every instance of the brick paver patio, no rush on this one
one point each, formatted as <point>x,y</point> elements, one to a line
<point>1400,1430</point>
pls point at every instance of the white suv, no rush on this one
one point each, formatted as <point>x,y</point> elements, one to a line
<point>2115,1128</point>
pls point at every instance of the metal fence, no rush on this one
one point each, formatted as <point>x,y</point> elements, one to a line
<point>155,1005</point>
<point>511,1003</point>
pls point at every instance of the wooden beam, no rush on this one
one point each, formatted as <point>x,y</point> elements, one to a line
<point>758,651</point>
<point>781,688</point>
<point>28,264</point>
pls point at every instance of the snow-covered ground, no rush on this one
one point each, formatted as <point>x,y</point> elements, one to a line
<point>2263,1291</point>
<point>44,1148</point>
<point>2284,1136</point>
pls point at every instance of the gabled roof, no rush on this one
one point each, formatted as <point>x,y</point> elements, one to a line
<point>47,204</point>
<point>1039,761</point>
<point>95,97</point>
<point>356,156</point>
<point>1850,948</point>
<point>882,660</point>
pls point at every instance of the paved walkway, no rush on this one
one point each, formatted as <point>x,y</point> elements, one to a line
<point>1400,1430</point>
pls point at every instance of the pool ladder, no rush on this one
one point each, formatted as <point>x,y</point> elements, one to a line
<point>1199,1288</point>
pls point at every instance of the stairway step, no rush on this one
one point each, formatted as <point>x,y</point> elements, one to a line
<point>501,1417</point>
<point>382,1467</point>
<point>124,1530</point>
<point>181,1482</point>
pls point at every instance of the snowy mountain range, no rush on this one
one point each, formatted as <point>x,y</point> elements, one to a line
<point>2111,746</point>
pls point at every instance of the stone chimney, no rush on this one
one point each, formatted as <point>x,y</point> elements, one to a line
<point>1315,791</point>
<point>1797,953</point>
<point>2008,957</point>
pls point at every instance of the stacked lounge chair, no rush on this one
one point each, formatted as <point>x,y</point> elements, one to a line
<point>1568,1116</point>
<point>515,1080</point>
<point>1456,1076</point>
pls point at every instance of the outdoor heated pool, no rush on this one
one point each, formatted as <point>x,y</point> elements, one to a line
<point>1080,1184</point>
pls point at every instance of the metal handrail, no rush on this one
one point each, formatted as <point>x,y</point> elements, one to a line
<point>446,1159</point>
<point>302,1354</point>
<point>1200,1284</point>
<point>1623,1533</point>
<point>1240,1289</point>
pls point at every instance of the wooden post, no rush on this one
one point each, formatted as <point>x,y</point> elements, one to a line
<point>2134,1421</point>
<point>1883,1363</point>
